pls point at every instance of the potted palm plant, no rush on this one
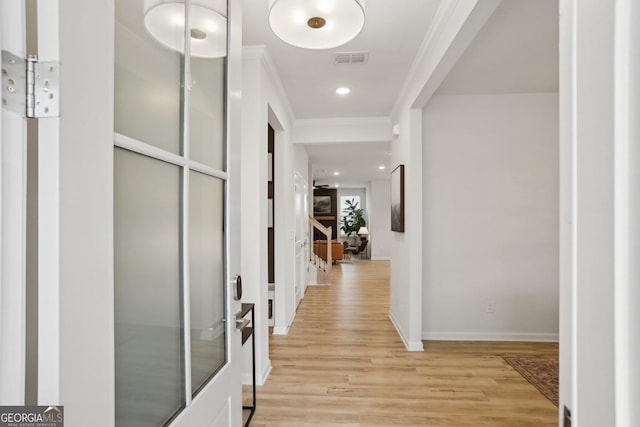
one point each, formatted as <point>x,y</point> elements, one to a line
<point>353,218</point>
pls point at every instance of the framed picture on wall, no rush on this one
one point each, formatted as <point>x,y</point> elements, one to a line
<point>397,199</point>
<point>322,205</point>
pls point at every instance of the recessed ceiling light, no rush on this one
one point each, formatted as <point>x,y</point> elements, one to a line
<point>343,90</point>
<point>381,167</point>
<point>336,173</point>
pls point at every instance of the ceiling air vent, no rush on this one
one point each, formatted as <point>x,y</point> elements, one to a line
<point>343,58</point>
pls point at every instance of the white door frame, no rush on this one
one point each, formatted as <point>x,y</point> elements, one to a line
<point>13,211</point>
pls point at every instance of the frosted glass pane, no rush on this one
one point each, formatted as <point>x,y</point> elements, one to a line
<point>147,80</point>
<point>148,315</point>
<point>207,277</point>
<point>207,112</point>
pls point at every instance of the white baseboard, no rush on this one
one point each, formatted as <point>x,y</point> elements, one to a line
<point>380,258</point>
<point>490,336</point>
<point>262,379</point>
<point>411,346</point>
<point>312,275</point>
<point>280,330</point>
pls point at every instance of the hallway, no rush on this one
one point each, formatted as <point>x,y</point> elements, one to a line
<point>344,364</point>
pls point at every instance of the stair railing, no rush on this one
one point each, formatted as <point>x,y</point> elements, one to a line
<point>320,253</point>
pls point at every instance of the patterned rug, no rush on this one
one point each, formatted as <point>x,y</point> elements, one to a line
<point>542,373</point>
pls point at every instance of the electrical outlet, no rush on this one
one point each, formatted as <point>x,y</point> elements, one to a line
<point>491,306</point>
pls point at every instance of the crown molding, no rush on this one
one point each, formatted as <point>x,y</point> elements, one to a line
<point>454,26</point>
<point>260,52</point>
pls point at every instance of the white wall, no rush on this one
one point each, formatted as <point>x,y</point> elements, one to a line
<point>264,103</point>
<point>380,220</point>
<point>345,129</point>
<point>454,27</point>
<point>254,226</point>
<point>490,212</point>
<point>301,161</point>
<point>281,118</point>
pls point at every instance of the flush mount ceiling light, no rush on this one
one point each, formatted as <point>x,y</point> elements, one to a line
<point>164,20</point>
<point>316,24</point>
<point>343,90</point>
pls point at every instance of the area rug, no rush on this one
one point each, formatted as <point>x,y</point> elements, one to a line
<point>542,373</point>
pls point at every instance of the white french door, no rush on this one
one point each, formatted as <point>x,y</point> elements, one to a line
<point>152,215</point>
<point>175,344</point>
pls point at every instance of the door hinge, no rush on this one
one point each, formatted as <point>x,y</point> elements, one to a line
<point>29,87</point>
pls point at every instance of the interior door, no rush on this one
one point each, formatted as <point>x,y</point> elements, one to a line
<point>12,208</point>
<point>301,236</point>
<point>176,347</point>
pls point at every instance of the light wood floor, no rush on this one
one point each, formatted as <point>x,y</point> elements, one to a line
<point>343,364</point>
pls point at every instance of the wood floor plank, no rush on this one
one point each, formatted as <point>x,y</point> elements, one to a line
<point>343,364</point>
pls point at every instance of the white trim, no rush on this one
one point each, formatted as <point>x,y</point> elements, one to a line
<point>454,27</point>
<point>253,52</point>
<point>411,346</point>
<point>623,182</point>
<point>75,270</point>
<point>443,14</point>
<point>281,94</point>
<point>380,258</point>
<point>259,52</point>
<point>261,377</point>
<point>49,211</point>
<point>48,260</point>
<point>13,213</point>
<point>343,129</point>
<point>349,122</point>
<point>490,336</point>
<point>281,330</point>
<point>12,264</point>
<point>13,209</point>
<point>568,205</point>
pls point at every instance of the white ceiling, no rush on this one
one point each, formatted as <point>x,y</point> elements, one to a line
<point>516,52</point>
<point>357,163</point>
<point>392,33</point>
